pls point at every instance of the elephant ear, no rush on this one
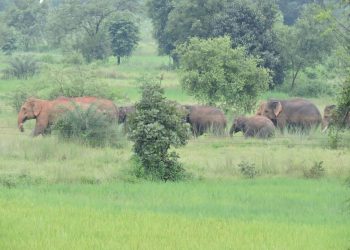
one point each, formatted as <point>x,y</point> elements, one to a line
<point>277,108</point>
<point>37,106</point>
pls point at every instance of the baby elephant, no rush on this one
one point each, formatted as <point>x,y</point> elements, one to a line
<point>256,126</point>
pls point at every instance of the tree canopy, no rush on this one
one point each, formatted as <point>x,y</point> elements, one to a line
<point>306,43</point>
<point>216,74</point>
<point>124,37</point>
<point>28,18</point>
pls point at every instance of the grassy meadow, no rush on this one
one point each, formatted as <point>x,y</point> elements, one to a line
<point>61,195</point>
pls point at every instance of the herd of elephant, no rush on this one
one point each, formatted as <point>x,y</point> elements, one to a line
<point>294,114</point>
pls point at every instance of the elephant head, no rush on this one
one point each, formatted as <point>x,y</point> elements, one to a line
<point>261,108</point>
<point>327,116</point>
<point>29,110</point>
<point>239,124</point>
<point>272,109</point>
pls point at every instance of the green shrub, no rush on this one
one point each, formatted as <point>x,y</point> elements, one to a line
<point>18,97</point>
<point>317,171</point>
<point>75,58</point>
<point>48,58</point>
<point>89,126</point>
<point>156,126</point>
<point>334,137</point>
<point>247,169</point>
<point>75,82</point>
<point>21,68</point>
<point>313,88</point>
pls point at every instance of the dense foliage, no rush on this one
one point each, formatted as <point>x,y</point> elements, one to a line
<point>216,74</point>
<point>249,25</point>
<point>156,126</point>
<point>28,18</point>
<point>343,104</point>
<point>252,27</point>
<point>291,9</point>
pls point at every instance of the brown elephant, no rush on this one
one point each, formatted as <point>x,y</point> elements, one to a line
<point>255,126</point>
<point>329,114</point>
<point>203,118</point>
<point>46,112</point>
<point>295,114</point>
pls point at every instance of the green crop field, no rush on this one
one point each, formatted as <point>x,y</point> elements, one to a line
<point>62,195</point>
<point>277,213</point>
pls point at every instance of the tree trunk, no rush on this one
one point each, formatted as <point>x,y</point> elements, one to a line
<point>295,74</point>
<point>118,60</point>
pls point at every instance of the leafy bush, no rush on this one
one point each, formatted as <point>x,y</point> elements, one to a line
<point>75,58</point>
<point>343,104</point>
<point>88,126</point>
<point>21,68</point>
<point>18,97</point>
<point>317,171</point>
<point>156,126</point>
<point>247,169</point>
<point>75,82</point>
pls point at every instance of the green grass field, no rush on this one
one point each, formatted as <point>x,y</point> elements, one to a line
<point>241,214</point>
<point>61,195</point>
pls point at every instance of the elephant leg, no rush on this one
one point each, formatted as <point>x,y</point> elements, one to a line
<point>38,130</point>
<point>249,133</point>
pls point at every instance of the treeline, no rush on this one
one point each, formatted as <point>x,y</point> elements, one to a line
<point>96,28</point>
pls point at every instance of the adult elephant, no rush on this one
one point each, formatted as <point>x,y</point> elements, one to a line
<point>204,118</point>
<point>46,112</point>
<point>296,114</point>
<point>329,116</point>
<point>255,126</point>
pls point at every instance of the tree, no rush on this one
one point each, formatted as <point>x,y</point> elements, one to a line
<point>306,43</point>
<point>251,26</point>
<point>158,11</point>
<point>216,74</point>
<point>86,20</point>
<point>124,38</point>
<point>28,18</point>
<point>336,17</point>
<point>156,126</point>
<point>97,47</point>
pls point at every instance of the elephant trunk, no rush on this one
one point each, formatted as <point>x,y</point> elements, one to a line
<point>21,120</point>
<point>324,125</point>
